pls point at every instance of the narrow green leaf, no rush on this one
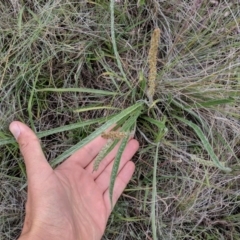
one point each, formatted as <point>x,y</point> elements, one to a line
<point>97,132</point>
<point>70,127</point>
<point>114,44</point>
<point>7,141</point>
<point>81,90</point>
<point>125,121</point>
<point>116,166</point>
<point>160,125</point>
<point>154,194</point>
<point>108,71</point>
<point>130,122</point>
<point>180,105</point>
<point>212,103</point>
<point>31,101</point>
<point>20,20</point>
<point>141,3</point>
<point>85,109</point>
<point>142,84</point>
<point>34,15</point>
<point>205,143</point>
<point>57,130</point>
<point>10,177</point>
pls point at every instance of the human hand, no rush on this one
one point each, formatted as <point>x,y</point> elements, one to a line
<point>71,201</point>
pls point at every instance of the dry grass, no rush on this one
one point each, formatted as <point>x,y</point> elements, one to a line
<point>67,44</point>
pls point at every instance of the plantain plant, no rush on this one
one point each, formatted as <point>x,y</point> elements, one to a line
<point>144,111</point>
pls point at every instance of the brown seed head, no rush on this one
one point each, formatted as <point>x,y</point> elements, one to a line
<point>152,61</point>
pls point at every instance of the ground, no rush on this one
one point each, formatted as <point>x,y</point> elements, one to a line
<point>61,56</point>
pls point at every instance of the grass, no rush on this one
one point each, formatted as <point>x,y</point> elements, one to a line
<point>60,57</point>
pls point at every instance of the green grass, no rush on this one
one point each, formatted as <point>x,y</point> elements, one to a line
<point>69,69</point>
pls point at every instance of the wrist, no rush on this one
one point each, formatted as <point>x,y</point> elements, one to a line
<point>47,233</point>
<point>43,236</point>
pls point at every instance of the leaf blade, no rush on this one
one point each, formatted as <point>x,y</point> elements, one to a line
<point>116,167</point>
<point>205,143</point>
<point>96,133</point>
<point>56,130</point>
<point>80,90</point>
<point>85,109</point>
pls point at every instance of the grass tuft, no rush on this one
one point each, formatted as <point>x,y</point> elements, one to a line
<point>61,56</point>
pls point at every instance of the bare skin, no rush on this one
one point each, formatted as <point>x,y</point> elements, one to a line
<point>71,201</point>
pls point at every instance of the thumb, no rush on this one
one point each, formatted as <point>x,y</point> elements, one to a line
<point>30,148</point>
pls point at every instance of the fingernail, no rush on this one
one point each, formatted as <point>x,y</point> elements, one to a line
<point>15,130</point>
